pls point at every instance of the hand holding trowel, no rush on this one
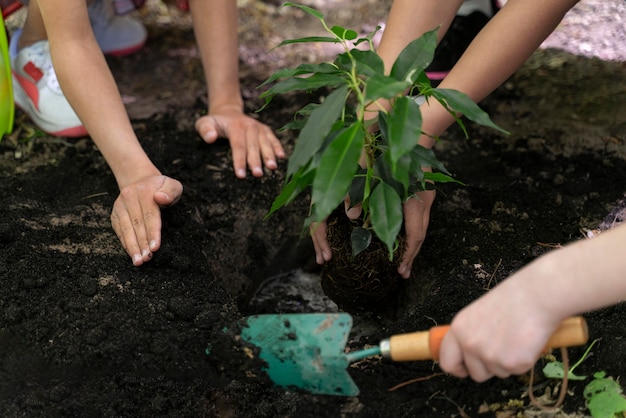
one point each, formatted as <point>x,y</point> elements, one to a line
<point>306,351</point>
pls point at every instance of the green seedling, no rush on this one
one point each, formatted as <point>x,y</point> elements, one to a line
<point>554,369</point>
<point>605,398</point>
<point>361,140</point>
<point>603,394</point>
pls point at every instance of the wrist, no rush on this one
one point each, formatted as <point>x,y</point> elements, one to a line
<point>543,286</point>
<point>132,173</point>
<point>232,103</point>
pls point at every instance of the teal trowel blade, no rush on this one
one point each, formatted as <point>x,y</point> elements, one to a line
<point>304,351</point>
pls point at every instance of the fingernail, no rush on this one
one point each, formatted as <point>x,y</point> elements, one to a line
<point>241,173</point>
<point>402,270</point>
<point>146,253</point>
<point>271,164</point>
<point>257,171</point>
<point>153,245</point>
<point>137,259</point>
<point>326,255</point>
<point>353,213</point>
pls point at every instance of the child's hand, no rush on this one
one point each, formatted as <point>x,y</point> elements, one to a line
<point>250,140</point>
<point>502,333</point>
<point>136,215</point>
<point>416,219</point>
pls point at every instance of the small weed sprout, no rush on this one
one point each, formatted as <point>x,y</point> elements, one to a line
<point>604,395</point>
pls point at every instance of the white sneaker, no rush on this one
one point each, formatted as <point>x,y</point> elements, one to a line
<point>116,35</point>
<point>37,92</point>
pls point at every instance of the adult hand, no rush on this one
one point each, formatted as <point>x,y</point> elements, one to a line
<point>250,140</point>
<point>136,215</point>
<point>502,333</point>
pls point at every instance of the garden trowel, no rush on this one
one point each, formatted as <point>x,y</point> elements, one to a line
<point>307,351</point>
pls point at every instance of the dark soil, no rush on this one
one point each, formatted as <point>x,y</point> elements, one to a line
<point>367,282</point>
<point>84,333</point>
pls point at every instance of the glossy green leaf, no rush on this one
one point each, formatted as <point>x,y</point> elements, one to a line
<point>312,82</point>
<point>370,36</point>
<point>360,239</point>
<point>423,84</point>
<point>397,175</point>
<point>306,9</point>
<point>415,58</point>
<point>440,178</point>
<point>382,87</point>
<point>310,39</point>
<point>404,127</point>
<point>383,126</point>
<point>368,63</point>
<point>300,118</point>
<point>357,188</point>
<point>401,172</point>
<point>316,129</point>
<point>323,68</point>
<point>425,157</point>
<point>343,33</point>
<point>292,189</point>
<point>461,102</point>
<point>386,213</point>
<point>339,163</point>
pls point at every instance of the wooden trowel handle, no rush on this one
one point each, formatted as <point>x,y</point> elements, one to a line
<point>424,345</point>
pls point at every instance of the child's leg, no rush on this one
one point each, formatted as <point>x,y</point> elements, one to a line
<point>36,89</point>
<point>34,29</point>
<point>117,34</point>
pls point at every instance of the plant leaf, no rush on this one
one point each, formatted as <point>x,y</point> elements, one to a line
<point>386,214</point>
<point>357,188</point>
<point>383,87</point>
<point>312,82</point>
<point>317,127</point>
<point>307,9</point>
<point>292,189</point>
<point>311,39</point>
<point>425,157</point>
<point>461,102</point>
<point>554,370</point>
<point>343,33</point>
<point>323,68</point>
<point>368,63</point>
<point>300,118</point>
<point>404,125</point>
<point>604,396</point>
<point>441,178</point>
<point>415,58</point>
<point>339,163</point>
<point>360,239</point>
<point>370,36</point>
<point>396,176</point>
